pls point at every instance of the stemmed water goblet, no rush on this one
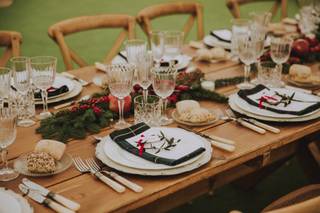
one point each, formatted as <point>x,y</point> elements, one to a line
<point>280,51</point>
<point>7,137</point>
<point>248,49</point>
<point>163,82</point>
<point>22,76</point>
<point>173,41</point>
<point>157,45</point>
<point>120,80</point>
<point>5,79</point>
<point>43,71</point>
<point>145,64</point>
<point>239,28</point>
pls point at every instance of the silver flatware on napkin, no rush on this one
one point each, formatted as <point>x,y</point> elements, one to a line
<point>73,77</point>
<point>36,196</point>
<point>45,192</point>
<point>134,187</point>
<point>84,168</point>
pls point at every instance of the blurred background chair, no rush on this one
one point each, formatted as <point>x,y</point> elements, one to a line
<point>305,199</point>
<point>195,10</point>
<point>11,41</point>
<point>83,23</point>
<point>234,6</point>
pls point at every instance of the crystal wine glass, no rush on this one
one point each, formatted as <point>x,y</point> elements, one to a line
<point>173,41</point>
<point>22,76</point>
<point>120,80</point>
<point>43,71</point>
<point>248,49</point>
<point>163,82</point>
<point>157,45</point>
<point>7,137</point>
<point>134,48</point>
<point>5,79</point>
<point>239,27</point>
<point>145,64</point>
<point>280,51</point>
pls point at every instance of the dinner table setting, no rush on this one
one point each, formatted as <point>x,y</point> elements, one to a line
<point>162,116</point>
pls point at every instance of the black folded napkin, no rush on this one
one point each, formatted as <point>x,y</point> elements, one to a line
<point>310,106</point>
<point>219,37</point>
<point>52,91</point>
<point>120,136</point>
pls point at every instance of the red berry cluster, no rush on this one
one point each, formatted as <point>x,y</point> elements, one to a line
<point>92,103</point>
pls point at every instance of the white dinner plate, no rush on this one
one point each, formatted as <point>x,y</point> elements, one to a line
<point>189,142</point>
<point>262,112</point>
<point>60,81</point>
<point>77,88</point>
<point>166,172</point>
<point>236,108</point>
<point>212,41</point>
<point>13,202</point>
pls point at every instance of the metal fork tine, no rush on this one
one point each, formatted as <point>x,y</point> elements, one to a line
<point>91,165</point>
<point>95,163</point>
<point>83,164</point>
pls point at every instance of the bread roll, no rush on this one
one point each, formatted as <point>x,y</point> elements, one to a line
<point>300,71</point>
<point>197,115</point>
<point>52,147</point>
<point>40,162</point>
<point>218,53</point>
<point>203,55</point>
<point>186,106</point>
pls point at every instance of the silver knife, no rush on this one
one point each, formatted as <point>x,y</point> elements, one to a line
<point>45,192</point>
<point>262,125</point>
<point>36,196</point>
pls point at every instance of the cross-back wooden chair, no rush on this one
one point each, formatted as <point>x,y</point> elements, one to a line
<point>234,6</point>
<point>83,23</point>
<point>10,40</point>
<point>195,10</point>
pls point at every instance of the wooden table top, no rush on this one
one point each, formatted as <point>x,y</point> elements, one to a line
<point>94,196</point>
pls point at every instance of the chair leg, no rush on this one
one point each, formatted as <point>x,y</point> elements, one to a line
<point>250,181</point>
<point>308,155</point>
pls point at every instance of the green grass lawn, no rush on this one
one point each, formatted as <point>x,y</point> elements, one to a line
<point>33,17</point>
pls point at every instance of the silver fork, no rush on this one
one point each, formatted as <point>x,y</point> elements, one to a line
<point>136,188</point>
<point>84,168</point>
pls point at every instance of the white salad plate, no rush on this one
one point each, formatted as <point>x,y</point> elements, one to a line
<point>13,202</point>
<point>189,142</point>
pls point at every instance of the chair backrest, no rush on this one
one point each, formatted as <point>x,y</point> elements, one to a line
<point>234,6</point>
<point>83,23</point>
<point>11,41</point>
<point>195,10</point>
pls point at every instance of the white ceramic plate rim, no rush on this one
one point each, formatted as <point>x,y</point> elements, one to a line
<point>25,206</point>
<point>166,172</point>
<point>115,153</point>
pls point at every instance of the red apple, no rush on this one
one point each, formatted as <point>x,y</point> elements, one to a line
<point>312,41</point>
<point>300,47</point>
<point>113,104</point>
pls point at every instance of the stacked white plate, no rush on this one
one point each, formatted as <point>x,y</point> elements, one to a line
<point>13,202</point>
<point>241,106</point>
<point>183,60</point>
<point>74,89</point>
<point>115,157</point>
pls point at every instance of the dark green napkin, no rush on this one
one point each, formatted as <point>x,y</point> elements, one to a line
<point>120,136</point>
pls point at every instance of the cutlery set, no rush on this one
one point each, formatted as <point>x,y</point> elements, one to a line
<point>73,77</point>
<point>47,198</point>
<point>90,166</point>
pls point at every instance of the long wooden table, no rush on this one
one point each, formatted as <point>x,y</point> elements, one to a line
<point>253,152</point>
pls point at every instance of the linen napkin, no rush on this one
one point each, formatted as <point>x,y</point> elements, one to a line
<point>122,136</point>
<point>52,91</point>
<point>300,104</point>
<point>222,35</point>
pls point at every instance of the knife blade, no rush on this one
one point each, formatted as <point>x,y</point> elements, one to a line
<point>36,196</point>
<point>45,192</point>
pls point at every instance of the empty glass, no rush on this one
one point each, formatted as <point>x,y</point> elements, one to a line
<point>239,27</point>
<point>21,76</point>
<point>7,137</point>
<point>120,80</point>
<point>173,41</point>
<point>280,50</point>
<point>163,82</point>
<point>43,72</point>
<point>5,79</point>
<point>157,45</point>
<point>248,50</point>
<point>148,111</point>
<point>134,48</point>
<point>145,64</point>
<point>268,74</point>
